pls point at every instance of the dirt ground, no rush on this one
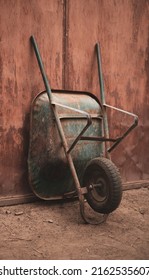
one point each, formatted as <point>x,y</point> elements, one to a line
<point>47,230</point>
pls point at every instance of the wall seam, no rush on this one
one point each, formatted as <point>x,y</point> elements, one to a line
<point>65,42</point>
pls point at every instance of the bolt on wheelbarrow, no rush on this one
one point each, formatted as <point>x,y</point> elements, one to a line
<point>68,137</point>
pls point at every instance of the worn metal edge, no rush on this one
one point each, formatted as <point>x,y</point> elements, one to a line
<point>28,198</point>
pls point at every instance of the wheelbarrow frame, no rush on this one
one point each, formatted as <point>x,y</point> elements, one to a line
<point>81,191</point>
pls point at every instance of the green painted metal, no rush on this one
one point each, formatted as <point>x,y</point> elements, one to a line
<point>49,171</point>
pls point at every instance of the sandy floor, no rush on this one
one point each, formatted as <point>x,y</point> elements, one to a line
<point>47,230</point>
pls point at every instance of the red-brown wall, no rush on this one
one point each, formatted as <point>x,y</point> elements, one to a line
<point>66,32</point>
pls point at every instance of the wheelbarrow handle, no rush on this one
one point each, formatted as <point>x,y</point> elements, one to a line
<point>104,106</point>
<point>102,96</point>
<point>41,66</point>
<point>100,76</point>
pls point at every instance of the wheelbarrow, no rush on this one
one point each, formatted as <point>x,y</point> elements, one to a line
<point>68,152</point>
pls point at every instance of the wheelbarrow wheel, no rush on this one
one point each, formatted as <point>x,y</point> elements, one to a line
<point>104,187</point>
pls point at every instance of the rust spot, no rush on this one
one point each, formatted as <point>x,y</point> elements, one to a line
<point>1,72</point>
<point>138,8</point>
<point>9,86</point>
<point>1,99</point>
<point>129,89</point>
<point>147,65</point>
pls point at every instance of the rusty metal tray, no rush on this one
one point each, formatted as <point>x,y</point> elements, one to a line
<point>49,173</point>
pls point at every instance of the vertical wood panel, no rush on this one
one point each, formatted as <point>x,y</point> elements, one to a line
<point>20,79</point>
<point>122,27</point>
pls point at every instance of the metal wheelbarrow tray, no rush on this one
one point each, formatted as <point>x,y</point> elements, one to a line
<point>68,131</point>
<point>50,175</point>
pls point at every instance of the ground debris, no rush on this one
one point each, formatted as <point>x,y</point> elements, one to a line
<point>48,221</point>
<point>8,212</point>
<point>142,210</point>
<point>37,251</point>
<point>19,213</point>
<point>17,239</point>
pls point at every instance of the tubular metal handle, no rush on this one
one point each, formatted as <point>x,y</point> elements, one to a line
<point>104,106</point>
<point>102,95</point>
<point>41,66</point>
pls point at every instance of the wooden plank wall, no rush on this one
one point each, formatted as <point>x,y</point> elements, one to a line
<point>66,32</point>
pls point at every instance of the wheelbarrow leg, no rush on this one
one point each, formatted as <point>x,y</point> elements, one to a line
<point>102,219</point>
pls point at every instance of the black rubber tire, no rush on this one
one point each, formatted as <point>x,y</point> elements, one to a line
<point>104,199</point>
